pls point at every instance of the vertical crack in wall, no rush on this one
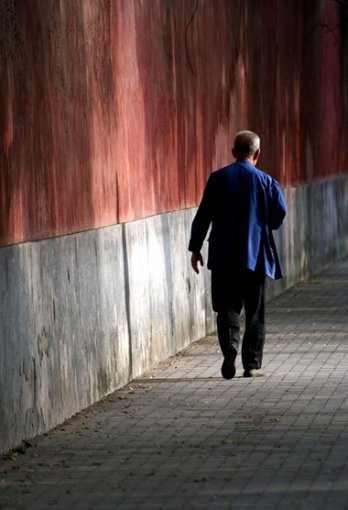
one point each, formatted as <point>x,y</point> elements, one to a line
<point>127,297</point>
<point>186,35</point>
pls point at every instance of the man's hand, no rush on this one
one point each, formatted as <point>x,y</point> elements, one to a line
<point>195,258</point>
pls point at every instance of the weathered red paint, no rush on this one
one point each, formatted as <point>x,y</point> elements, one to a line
<point>111,111</point>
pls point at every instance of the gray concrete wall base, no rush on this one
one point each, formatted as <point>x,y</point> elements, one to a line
<point>315,231</point>
<point>81,315</point>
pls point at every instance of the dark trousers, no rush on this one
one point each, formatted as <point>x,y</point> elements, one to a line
<point>230,292</point>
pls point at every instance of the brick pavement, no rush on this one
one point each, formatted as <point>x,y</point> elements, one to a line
<point>182,437</point>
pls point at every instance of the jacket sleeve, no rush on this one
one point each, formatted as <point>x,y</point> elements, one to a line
<point>276,206</point>
<point>204,216</point>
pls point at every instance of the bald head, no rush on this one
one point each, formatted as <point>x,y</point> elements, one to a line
<point>246,144</point>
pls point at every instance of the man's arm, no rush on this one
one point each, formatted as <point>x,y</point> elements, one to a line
<point>277,206</point>
<point>201,223</point>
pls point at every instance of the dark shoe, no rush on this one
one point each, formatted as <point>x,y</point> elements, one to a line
<point>228,369</point>
<point>253,372</point>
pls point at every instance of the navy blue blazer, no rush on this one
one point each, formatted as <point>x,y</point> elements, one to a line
<point>243,205</point>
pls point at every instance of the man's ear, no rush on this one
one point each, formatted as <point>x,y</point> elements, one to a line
<point>233,152</point>
<point>256,155</point>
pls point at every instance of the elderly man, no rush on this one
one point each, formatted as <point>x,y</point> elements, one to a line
<point>243,205</point>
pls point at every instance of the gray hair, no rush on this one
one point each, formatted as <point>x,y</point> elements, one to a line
<point>246,143</point>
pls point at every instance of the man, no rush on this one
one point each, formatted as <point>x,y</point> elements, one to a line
<point>243,205</point>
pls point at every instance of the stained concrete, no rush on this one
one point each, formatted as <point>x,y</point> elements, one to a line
<point>113,111</point>
<point>81,315</point>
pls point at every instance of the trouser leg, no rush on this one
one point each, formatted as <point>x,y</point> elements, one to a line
<point>227,302</point>
<point>254,335</point>
<point>228,331</point>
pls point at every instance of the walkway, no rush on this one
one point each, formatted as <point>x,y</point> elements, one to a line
<point>181,437</point>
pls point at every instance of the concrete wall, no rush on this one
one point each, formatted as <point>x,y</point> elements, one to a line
<point>315,231</point>
<point>81,315</point>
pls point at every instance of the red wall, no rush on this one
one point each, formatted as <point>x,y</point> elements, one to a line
<point>111,111</point>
